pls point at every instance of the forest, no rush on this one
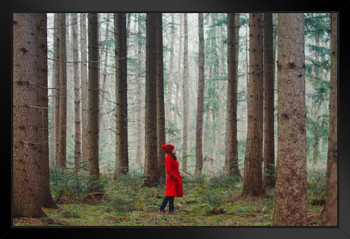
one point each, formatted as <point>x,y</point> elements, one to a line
<point>248,100</point>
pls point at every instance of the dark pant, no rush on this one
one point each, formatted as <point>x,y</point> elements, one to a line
<point>165,201</point>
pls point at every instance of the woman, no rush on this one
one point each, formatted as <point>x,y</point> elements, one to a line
<point>173,181</point>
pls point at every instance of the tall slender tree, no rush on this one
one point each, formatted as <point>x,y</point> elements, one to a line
<point>122,158</point>
<point>46,198</point>
<point>77,131</point>
<point>269,149</point>
<point>231,158</point>
<point>151,164</point>
<point>178,78</point>
<point>62,120</point>
<point>200,98</point>
<point>56,84</point>
<point>104,71</point>
<point>331,205</point>
<point>84,88</point>
<point>170,88</point>
<point>221,86</point>
<point>290,192</point>
<point>139,151</point>
<point>93,103</point>
<point>160,96</point>
<point>252,179</point>
<point>30,116</point>
<point>185,97</point>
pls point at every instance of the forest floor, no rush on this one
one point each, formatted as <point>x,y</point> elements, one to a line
<point>214,202</point>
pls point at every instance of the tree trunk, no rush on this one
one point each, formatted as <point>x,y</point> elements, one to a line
<point>331,206</point>
<point>221,92</point>
<point>290,192</point>
<point>316,105</point>
<point>185,97</point>
<point>104,73</point>
<point>62,120</point>
<point>139,152</point>
<point>56,101</point>
<point>200,99</point>
<point>170,77</point>
<point>247,59</point>
<point>84,88</point>
<point>231,158</point>
<point>206,132</point>
<point>160,97</point>
<point>77,135</point>
<point>178,72</point>
<point>269,150</point>
<point>93,103</point>
<point>70,83</point>
<point>30,114</point>
<point>122,158</point>
<point>252,179</point>
<point>214,85</point>
<point>151,164</point>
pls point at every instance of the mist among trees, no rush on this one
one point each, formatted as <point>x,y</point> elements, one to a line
<point>247,99</point>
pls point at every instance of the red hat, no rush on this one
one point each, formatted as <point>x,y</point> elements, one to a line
<point>168,148</point>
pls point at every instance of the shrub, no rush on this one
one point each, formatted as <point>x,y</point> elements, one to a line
<point>222,181</point>
<point>119,202</point>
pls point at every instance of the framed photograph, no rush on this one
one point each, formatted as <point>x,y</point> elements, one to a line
<point>194,119</point>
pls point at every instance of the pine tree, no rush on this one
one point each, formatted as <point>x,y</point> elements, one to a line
<point>231,158</point>
<point>84,88</point>
<point>290,192</point>
<point>30,116</point>
<point>185,90</point>
<point>139,151</point>
<point>331,206</point>
<point>269,150</point>
<point>56,83</point>
<point>252,179</point>
<point>151,164</point>
<point>93,103</point>
<point>62,120</point>
<point>77,135</point>
<point>122,158</point>
<point>200,99</point>
<point>160,97</point>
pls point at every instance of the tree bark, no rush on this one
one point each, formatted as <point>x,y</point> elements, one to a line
<point>177,83</point>
<point>84,88</point>
<point>30,116</point>
<point>252,179</point>
<point>206,132</point>
<point>62,120</point>
<point>151,165</point>
<point>93,103</point>
<point>170,77</point>
<point>185,97</point>
<point>231,158</point>
<point>139,152</point>
<point>122,158</point>
<point>200,99</point>
<point>269,150</point>
<point>160,97</point>
<point>56,101</point>
<point>316,106</point>
<point>77,134</point>
<point>221,93</point>
<point>291,181</point>
<point>331,205</point>
<point>104,73</point>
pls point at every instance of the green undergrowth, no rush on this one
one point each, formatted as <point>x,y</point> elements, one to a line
<point>206,202</point>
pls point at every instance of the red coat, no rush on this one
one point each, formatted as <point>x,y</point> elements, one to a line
<point>173,181</point>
